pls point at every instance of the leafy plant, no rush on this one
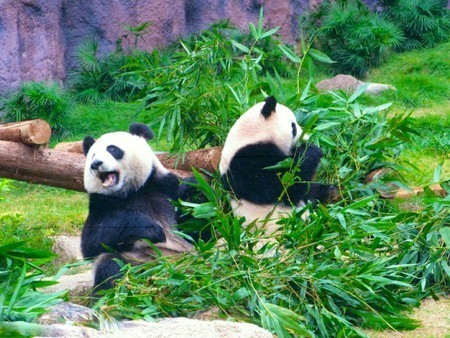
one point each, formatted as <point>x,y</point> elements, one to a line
<point>48,101</point>
<point>425,23</point>
<point>196,95</point>
<point>102,77</point>
<point>354,264</point>
<point>351,35</point>
<point>356,139</point>
<point>20,275</point>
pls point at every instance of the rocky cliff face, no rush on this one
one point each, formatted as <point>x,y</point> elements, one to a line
<point>39,38</point>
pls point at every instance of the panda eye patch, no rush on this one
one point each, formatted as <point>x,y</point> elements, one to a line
<point>294,130</point>
<point>116,152</point>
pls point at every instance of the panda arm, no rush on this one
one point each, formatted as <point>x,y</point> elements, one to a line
<point>248,178</point>
<point>308,156</point>
<point>118,230</point>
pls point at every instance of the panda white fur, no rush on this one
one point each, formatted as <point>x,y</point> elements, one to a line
<point>129,200</point>
<point>265,135</point>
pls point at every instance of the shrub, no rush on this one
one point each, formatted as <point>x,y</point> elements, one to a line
<point>103,77</point>
<point>351,35</point>
<point>48,101</point>
<point>356,139</point>
<point>425,23</point>
<point>354,264</point>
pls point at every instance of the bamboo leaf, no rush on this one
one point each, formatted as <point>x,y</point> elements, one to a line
<point>240,46</point>
<point>320,56</point>
<point>290,54</point>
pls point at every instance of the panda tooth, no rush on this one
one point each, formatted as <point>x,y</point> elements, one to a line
<point>110,180</point>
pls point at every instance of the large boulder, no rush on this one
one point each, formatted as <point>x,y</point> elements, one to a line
<point>39,38</point>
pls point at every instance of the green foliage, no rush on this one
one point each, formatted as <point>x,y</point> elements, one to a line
<point>103,77</point>
<point>48,101</point>
<point>354,264</point>
<point>20,275</point>
<point>356,139</point>
<point>351,35</point>
<point>425,23</point>
<point>195,94</point>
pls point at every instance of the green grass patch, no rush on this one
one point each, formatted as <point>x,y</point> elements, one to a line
<point>36,213</point>
<point>421,77</point>
<point>101,118</point>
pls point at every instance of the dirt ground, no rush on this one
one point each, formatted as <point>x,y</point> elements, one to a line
<point>435,318</point>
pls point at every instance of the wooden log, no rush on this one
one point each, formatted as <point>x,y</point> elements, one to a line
<point>46,166</point>
<point>34,132</point>
<point>207,159</point>
<point>393,191</point>
<point>71,147</point>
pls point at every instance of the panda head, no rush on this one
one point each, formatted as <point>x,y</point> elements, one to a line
<point>120,162</point>
<point>265,122</point>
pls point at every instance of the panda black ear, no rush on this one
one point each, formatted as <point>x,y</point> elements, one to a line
<point>269,106</point>
<point>88,141</point>
<point>141,130</point>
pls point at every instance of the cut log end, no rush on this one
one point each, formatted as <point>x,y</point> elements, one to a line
<point>34,132</point>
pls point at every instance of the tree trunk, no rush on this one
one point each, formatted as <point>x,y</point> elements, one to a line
<point>46,166</point>
<point>70,147</point>
<point>34,132</point>
<point>207,159</point>
<point>42,166</point>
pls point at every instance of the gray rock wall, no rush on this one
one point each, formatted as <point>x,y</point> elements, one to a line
<point>38,38</point>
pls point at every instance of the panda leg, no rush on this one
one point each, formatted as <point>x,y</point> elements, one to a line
<point>106,271</point>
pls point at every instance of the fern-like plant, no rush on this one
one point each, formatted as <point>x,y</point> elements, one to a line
<point>45,100</point>
<point>425,23</point>
<point>103,77</point>
<point>351,35</point>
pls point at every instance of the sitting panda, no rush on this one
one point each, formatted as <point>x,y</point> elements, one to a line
<point>263,136</point>
<point>129,200</point>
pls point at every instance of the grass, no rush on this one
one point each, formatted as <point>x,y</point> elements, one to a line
<point>421,78</point>
<point>104,117</point>
<point>349,239</point>
<point>44,212</point>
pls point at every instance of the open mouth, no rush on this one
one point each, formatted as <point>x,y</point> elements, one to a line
<point>109,178</point>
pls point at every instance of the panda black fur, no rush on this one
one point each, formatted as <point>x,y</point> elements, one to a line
<point>265,135</point>
<point>129,200</point>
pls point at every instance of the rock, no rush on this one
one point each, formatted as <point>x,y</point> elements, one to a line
<point>188,328</point>
<point>378,88</point>
<point>68,248</point>
<point>339,82</point>
<point>165,328</point>
<point>76,285</point>
<point>39,38</point>
<point>66,312</point>
<point>349,84</point>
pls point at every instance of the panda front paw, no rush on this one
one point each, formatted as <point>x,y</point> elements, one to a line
<point>155,234</point>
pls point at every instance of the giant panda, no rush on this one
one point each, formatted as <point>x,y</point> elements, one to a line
<point>129,202</point>
<point>265,135</point>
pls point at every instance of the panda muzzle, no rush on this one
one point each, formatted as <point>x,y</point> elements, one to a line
<point>109,178</point>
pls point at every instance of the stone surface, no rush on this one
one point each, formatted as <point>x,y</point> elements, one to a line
<point>339,82</point>
<point>349,84</point>
<point>66,312</point>
<point>68,248</point>
<point>39,38</point>
<point>76,285</point>
<point>165,328</point>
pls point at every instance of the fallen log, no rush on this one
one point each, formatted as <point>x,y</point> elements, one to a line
<point>207,159</point>
<point>34,132</point>
<point>70,147</point>
<point>46,166</point>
